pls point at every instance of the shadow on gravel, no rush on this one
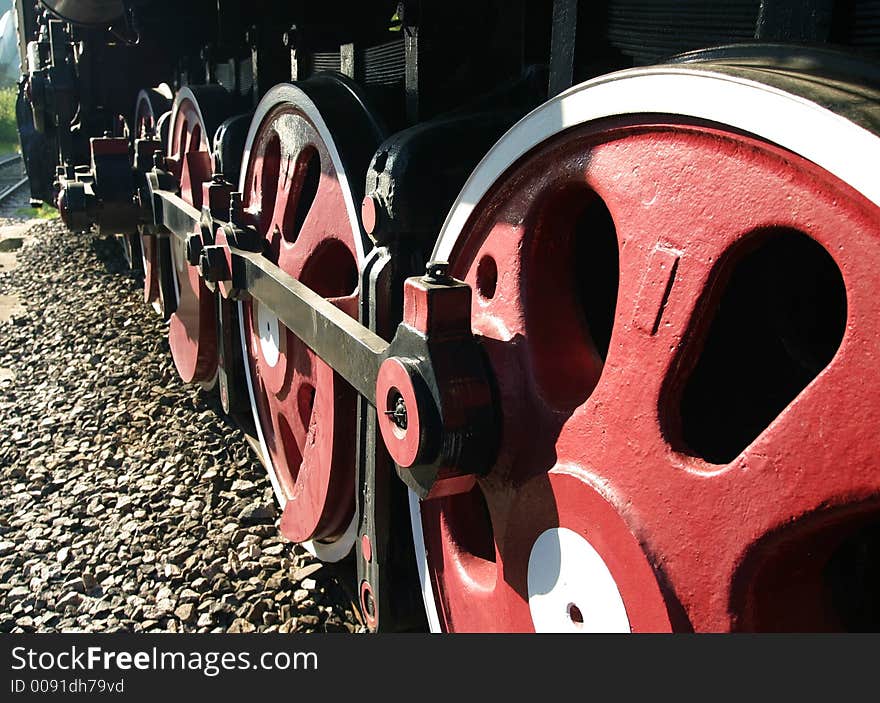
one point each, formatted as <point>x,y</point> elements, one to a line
<point>108,250</point>
<point>11,244</point>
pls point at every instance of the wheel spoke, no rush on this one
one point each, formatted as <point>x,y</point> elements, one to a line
<point>326,218</point>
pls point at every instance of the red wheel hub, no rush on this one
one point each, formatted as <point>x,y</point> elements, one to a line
<point>295,198</point>
<point>684,325</point>
<point>192,334</point>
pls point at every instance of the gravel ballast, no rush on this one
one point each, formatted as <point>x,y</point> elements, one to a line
<point>127,502</point>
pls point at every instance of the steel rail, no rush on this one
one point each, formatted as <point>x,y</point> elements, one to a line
<point>7,160</point>
<point>12,189</point>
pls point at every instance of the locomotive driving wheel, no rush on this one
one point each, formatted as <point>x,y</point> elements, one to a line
<point>192,336</point>
<point>674,275</point>
<point>299,185</point>
<point>140,254</point>
<point>150,107</point>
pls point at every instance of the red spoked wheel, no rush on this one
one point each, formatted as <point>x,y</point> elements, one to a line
<point>676,290</point>
<point>192,335</point>
<point>150,106</point>
<point>298,195</point>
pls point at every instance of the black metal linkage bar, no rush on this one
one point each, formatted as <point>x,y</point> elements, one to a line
<point>352,350</point>
<point>179,217</point>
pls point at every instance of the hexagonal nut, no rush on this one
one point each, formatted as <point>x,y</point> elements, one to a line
<point>194,249</point>
<point>212,265</point>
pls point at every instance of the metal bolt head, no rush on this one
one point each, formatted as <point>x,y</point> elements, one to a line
<point>398,414</point>
<point>212,264</point>
<point>437,272</point>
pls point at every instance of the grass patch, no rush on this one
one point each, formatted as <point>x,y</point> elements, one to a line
<point>8,129</point>
<point>44,212</point>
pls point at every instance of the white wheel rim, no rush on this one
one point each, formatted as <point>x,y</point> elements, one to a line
<point>774,115</point>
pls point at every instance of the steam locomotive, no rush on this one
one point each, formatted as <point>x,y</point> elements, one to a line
<point>544,315</point>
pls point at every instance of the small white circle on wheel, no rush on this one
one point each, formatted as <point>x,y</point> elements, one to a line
<point>270,334</point>
<point>571,588</point>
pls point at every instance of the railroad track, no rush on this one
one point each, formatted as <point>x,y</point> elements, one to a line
<point>12,176</point>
